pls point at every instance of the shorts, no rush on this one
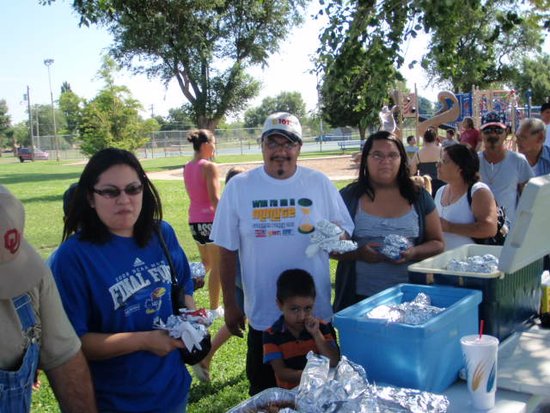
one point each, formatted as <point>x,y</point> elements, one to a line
<point>201,232</point>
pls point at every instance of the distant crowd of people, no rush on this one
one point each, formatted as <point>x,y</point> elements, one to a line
<point>90,325</point>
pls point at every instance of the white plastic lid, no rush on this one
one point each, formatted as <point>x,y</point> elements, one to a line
<point>529,239</point>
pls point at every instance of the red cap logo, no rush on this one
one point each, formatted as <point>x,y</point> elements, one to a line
<point>12,240</point>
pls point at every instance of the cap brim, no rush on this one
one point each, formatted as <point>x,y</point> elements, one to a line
<point>498,124</point>
<point>21,274</point>
<point>290,136</point>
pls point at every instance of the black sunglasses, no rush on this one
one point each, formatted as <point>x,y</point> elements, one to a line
<point>130,190</point>
<point>497,130</point>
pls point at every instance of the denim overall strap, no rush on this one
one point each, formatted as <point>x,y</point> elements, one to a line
<point>16,385</point>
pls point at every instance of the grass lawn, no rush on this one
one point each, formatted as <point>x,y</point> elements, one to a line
<point>40,186</point>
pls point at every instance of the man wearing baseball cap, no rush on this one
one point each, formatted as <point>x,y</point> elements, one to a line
<point>35,329</point>
<point>505,172</point>
<point>267,214</point>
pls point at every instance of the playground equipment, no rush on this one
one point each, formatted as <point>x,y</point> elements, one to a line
<point>455,107</point>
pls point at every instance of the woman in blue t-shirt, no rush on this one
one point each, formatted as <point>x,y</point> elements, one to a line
<point>114,280</point>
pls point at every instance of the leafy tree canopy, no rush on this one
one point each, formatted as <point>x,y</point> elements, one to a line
<point>473,42</point>
<point>5,123</point>
<point>205,45</point>
<point>111,119</point>
<point>534,75</point>
<point>291,102</point>
<point>71,106</point>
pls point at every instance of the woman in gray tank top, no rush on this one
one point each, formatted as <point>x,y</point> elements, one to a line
<point>383,201</point>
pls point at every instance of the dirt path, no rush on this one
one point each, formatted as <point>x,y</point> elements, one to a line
<point>335,167</point>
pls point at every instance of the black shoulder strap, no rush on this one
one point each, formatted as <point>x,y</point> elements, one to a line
<point>168,255</point>
<point>175,289</point>
<point>469,194</point>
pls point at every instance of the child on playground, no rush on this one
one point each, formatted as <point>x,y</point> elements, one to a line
<point>297,331</point>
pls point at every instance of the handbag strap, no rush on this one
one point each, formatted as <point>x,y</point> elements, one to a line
<point>172,268</point>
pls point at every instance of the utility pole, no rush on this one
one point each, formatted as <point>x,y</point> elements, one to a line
<point>28,99</point>
<point>152,107</point>
<point>48,63</point>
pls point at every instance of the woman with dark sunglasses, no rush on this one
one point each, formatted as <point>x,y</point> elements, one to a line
<point>114,280</point>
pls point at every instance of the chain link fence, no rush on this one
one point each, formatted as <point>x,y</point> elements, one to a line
<point>174,143</point>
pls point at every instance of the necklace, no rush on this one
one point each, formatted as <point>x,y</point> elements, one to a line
<point>449,198</point>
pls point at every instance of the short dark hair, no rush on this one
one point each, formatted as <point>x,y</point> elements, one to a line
<point>407,188</point>
<point>430,135</point>
<point>295,283</point>
<point>467,160</point>
<point>410,138</point>
<point>83,218</point>
<point>451,132</point>
<point>544,106</point>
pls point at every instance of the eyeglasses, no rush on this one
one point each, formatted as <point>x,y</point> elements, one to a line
<point>379,156</point>
<point>442,162</point>
<point>130,190</point>
<point>275,145</point>
<point>496,130</point>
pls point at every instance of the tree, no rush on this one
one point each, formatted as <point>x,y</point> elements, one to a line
<point>70,104</point>
<point>479,42</point>
<point>474,42</point>
<point>357,65</point>
<point>534,75</point>
<point>5,124</point>
<point>177,119</point>
<point>205,45</point>
<point>111,119</point>
<point>291,102</point>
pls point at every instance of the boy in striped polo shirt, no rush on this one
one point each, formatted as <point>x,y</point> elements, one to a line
<point>296,332</point>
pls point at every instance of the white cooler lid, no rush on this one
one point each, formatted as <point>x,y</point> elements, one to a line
<point>529,238</point>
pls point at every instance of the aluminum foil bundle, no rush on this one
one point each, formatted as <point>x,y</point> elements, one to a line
<point>485,264</point>
<point>350,392</point>
<point>191,326</point>
<point>312,382</point>
<point>197,270</point>
<point>415,312</point>
<point>326,237</point>
<point>274,398</point>
<point>394,245</point>
<point>395,399</point>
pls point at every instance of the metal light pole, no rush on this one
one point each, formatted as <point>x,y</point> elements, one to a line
<point>48,63</point>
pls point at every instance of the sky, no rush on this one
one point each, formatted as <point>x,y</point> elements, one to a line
<point>33,33</point>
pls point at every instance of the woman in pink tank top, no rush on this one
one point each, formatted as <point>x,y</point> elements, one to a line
<point>202,184</point>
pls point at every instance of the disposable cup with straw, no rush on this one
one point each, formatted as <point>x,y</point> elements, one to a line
<point>480,360</point>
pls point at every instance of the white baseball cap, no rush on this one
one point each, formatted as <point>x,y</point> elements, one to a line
<point>21,268</point>
<point>285,124</point>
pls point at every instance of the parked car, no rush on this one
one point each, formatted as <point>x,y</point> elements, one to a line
<point>27,154</point>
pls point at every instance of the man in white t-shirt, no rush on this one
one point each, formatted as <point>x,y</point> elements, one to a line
<point>268,214</point>
<point>506,172</point>
<point>545,116</point>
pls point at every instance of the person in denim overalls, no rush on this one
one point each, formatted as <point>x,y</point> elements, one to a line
<point>35,331</point>
<point>16,386</point>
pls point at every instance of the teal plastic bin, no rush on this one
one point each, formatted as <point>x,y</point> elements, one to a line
<point>427,356</point>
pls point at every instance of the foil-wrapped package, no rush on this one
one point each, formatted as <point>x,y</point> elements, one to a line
<point>415,312</point>
<point>269,400</point>
<point>191,326</point>
<point>394,245</point>
<point>485,264</point>
<point>350,392</point>
<point>326,237</point>
<point>197,270</point>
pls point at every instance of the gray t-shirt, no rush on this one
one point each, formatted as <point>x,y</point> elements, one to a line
<point>504,177</point>
<point>373,278</point>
